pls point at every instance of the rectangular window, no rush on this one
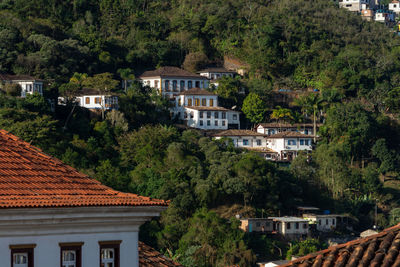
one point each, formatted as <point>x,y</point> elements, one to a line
<point>216,115</point>
<point>307,142</point>
<point>182,86</point>
<point>204,102</point>
<point>197,102</point>
<point>291,142</point>
<point>234,117</point>
<point>208,114</point>
<point>304,226</point>
<point>197,84</point>
<point>97,100</point>
<point>22,255</point>
<point>189,102</point>
<point>297,225</point>
<point>71,254</point>
<point>301,142</point>
<point>201,114</point>
<point>87,100</point>
<point>288,225</point>
<point>109,253</point>
<point>223,123</point>
<point>245,142</point>
<point>258,142</point>
<point>333,221</point>
<point>201,123</point>
<point>208,123</point>
<point>190,84</point>
<point>211,102</point>
<point>216,123</point>
<point>224,115</point>
<point>327,221</point>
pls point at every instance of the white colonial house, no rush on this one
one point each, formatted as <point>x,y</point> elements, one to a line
<point>198,108</point>
<point>52,215</point>
<point>170,81</point>
<point>290,227</point>
<point>216,73</point>
<point>289,144</point>
<point>274,128</point>
<point>249,140</point>
<point>29,85</point>
<point>94,100</point>
<point>395,6</point>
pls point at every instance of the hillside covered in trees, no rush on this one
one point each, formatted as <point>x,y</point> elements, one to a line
<point>287,44</point>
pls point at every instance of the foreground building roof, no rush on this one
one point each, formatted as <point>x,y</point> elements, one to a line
<point>376,250</point>
<point>170,72</point>
<point>29,178</point>
<point>149,257</point>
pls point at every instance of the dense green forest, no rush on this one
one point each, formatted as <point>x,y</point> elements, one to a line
<point>290,44</point>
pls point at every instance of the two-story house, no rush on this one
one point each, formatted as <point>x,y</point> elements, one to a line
<point>93,99</point>
<point>53,215</point>
<point>170,81</point>
<point>290,227</point>
<point>198,108</point>
<point>29,85</point>
<point>214,74</point>
<point>289,144</point>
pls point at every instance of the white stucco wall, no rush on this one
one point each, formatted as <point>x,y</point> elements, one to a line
<point>48,227</point>
<point>108,102</point>
<point>159,83</point>
<point>30,87</point>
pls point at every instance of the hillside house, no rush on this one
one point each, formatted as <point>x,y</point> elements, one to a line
<point>52,215</point>
<point>94,100</point>
<point>216,73</point>
<point>289,144</point>
<point>394,6</point>
<point>198,108</point>
<point>322,222</point>
<point>170,81</point>
<point>262,225</point>
<point>368,14</point>
<point>385,16</point>
<point>274,128</point>
<point>290,227</point>
<point>249,140</point>
<point>29,85</point>
<point>355,5</point>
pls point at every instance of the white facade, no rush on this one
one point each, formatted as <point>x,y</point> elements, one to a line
<point>216,73</point>
<point>323,223</point>
<point>247,141</point>
<point>290,227</point>
<point>354,5</point>
<point>273,128</point>
<point>46,229</point>
<point>210,118</point>
<point>172,86</point>
<point>28,87</point>
<point>106,102</point>
<point>288,146</point>
<point>395,7</point>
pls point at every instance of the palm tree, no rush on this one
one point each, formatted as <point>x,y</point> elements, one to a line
<point>281,114</point>
<point>78,79</point>
<point>311,103</point>
<point>126,75</point>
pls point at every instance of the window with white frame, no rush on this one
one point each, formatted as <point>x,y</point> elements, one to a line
<point>245,142</point>
<point>291,142</point>
<point>258,142</point>
<point>109,253</point>
<point>22,255</point>
<point>71,254</point>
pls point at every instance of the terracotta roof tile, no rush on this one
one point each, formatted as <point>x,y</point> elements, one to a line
<point>209,108</point>
<point>287,125</point>
<point>381,249</point>
<point>170,72</point>
<point>290,134</point>
<point>30,178</point>
<point>197,91</point>
<point>149,257</point>
<point>234,132</point>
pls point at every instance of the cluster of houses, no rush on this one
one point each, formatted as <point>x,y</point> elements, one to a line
<point>310,222</point>
<point>373,10</point>
<point>196,107</point>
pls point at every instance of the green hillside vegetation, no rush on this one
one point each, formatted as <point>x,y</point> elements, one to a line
<point>288,44</point>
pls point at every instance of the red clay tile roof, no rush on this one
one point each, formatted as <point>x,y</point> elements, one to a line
<point>196,91</point>
<point>377,250</point>
<point>290,134</point>
<point>287,125</point>
<point>30,178</point>
<point>149,257</point>
<point>235,132</point>
<point>171,72</point>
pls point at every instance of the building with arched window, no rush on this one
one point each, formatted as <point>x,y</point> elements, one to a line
<point>170,81</point>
